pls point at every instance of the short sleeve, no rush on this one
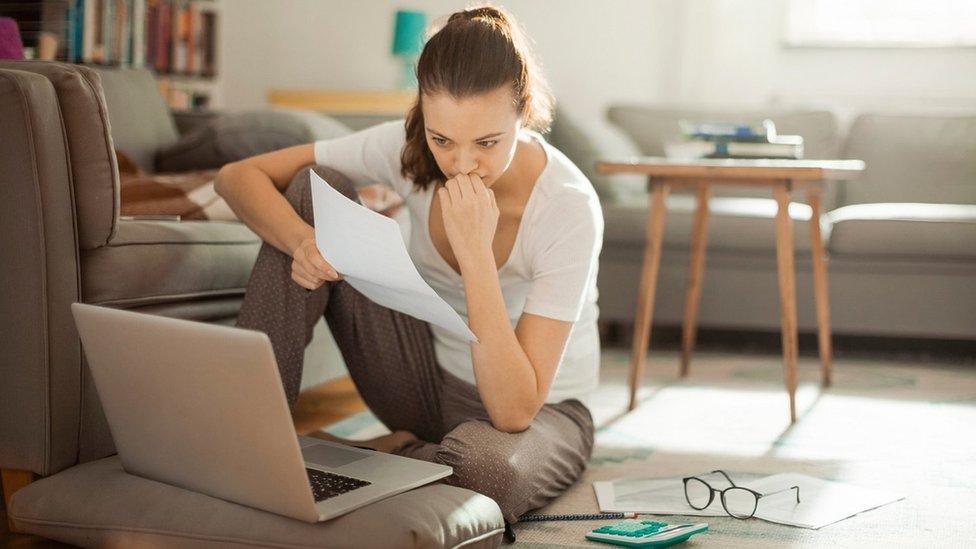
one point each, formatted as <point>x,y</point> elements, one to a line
<point>369,156</point>
<point>564,256</point>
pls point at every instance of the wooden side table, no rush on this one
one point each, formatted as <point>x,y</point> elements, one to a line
<point>783,177</point>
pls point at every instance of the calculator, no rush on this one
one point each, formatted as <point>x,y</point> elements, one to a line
<point>645,533</point>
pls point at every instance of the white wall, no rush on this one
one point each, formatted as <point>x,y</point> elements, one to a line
<point>594,53</point>
<point>732,52</point>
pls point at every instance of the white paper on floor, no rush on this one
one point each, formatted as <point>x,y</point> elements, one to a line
<point>822,502</point>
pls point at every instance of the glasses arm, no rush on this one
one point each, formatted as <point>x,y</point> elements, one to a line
<point>721,472</point>
<point>797,488</point>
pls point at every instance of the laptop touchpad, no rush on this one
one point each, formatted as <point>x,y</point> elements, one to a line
<point>330,456</point>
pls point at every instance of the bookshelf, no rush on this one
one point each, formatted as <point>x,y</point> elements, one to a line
<point>176,39</point>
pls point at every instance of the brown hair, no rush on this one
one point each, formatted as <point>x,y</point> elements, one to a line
<point>478,50</point>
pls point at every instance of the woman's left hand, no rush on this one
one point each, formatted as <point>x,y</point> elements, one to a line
<point>470,216</point>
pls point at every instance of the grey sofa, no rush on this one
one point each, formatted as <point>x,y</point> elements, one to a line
<point>63,242</point>
<point>901,240</point>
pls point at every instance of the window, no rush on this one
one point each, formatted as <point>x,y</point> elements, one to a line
<point>881,23</point>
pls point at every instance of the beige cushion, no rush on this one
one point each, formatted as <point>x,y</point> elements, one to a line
<point>904,229</point>
<point>921,158</point>
<point>141,121</point>
<point>98,505</point>
<point>161,261</point>
<point>734,223</point>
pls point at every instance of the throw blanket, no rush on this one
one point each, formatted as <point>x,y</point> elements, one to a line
<point>191,195</point>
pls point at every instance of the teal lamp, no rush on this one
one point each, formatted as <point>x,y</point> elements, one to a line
<point>408,41</point>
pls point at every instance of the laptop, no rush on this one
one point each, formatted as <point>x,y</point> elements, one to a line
<point>201,406</point>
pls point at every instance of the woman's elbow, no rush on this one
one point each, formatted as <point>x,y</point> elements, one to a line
<point>514,422</point>
<point>510,425</point>
<point>224,175</point>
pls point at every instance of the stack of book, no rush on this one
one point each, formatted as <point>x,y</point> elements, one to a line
<point>173,37</point>
<point>728,140</point>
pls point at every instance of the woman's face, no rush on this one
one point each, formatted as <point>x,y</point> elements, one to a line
<point>475,135</point>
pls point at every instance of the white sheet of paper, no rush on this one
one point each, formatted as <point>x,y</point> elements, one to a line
<point>655,496</point>
<point>368,250</point>
<point>822,502</point>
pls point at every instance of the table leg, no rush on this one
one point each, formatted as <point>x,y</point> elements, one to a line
<point>787,289</point>
<point>821,295</point>
<point>648,283</point>
<point>696,268</point>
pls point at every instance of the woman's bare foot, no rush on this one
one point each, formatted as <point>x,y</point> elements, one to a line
<point>385,443</point>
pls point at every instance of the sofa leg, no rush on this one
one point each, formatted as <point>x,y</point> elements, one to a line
<point>13,480</point>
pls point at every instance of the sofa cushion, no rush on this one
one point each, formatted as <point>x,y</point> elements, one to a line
<point>97,504</point>
<point>585,147</point>
<point>734,223</point>
<point>904,229</point>
<point>913,158</point>
<point>652,127</point>
<point>141,122</point>
<point>94,172</point>
<point>161,261</point>
<point>234,136</point>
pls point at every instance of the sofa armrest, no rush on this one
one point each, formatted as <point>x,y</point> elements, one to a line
<point>41,365</point>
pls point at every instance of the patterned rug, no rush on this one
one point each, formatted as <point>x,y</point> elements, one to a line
<point>892,424</point>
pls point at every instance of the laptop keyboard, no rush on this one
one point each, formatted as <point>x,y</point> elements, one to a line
<point>330,485</point>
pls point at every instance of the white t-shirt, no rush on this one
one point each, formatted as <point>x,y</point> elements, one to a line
<point>552,268</point>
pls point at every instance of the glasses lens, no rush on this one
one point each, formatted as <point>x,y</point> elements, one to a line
<point>739,502</point>
<point>697,493</point>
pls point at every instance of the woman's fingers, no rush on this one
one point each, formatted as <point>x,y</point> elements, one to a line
<point>303,281</point>
<point>454,190</point>
<point>463,182</point>
<point>317,265</point>
<point>303,271</point>
<point>477,184</point>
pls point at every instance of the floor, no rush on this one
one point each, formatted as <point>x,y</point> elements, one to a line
<point>895,423</point>
<point>899,416</point>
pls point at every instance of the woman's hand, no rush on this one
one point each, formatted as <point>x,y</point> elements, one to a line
<point>470,216</point>
<point>308,268</point>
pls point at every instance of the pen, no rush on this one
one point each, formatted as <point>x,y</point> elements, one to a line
<point>592,516</point>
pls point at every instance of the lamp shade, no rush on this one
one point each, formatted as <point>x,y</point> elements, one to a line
<point>408,35</point>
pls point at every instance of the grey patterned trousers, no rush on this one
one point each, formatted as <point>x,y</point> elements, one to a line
<point>390,357</point>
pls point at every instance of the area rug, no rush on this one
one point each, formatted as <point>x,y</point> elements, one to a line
<point>891,424</point>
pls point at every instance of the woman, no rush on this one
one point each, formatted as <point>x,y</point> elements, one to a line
<point>504,227</point>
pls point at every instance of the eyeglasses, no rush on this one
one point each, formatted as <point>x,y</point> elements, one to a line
<point>739,502</point>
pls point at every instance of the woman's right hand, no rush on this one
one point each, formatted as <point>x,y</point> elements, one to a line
<point>308,268</point>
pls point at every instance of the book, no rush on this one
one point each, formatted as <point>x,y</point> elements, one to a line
<point>733,140</point>
<point>138,43</point>
<point>732,149</point>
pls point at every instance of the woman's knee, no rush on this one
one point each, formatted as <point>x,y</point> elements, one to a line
<point>299,190</point>
<point>484,459</point>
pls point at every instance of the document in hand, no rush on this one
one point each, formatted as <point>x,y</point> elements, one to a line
<point>822,502</point>
<point>368,250</point>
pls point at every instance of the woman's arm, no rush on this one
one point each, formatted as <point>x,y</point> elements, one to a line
<point>513,369</point>
<point>254,189</point>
